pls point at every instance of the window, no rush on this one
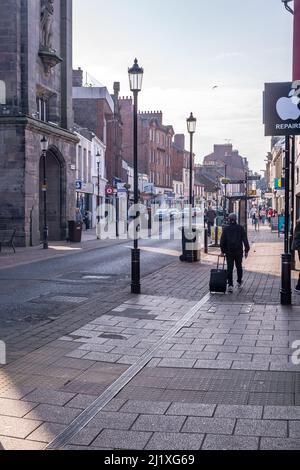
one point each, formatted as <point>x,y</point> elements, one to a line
<point>79,164</point>
<point>84,166</point>
<point>42,106</point>
<point>2,92</point>
<point>90,167</point>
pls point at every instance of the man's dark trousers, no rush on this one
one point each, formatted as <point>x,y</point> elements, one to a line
<point>236,260</point>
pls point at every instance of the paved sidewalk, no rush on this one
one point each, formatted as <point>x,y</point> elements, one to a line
<point>173,368</point>
<point>56,250</point>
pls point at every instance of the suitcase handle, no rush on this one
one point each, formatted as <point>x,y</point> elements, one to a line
<point>224,259</point>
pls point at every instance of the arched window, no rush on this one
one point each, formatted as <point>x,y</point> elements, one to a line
<point>2,92</point>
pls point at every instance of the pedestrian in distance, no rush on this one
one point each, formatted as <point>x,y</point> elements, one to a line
<point>296,247</point>
<point>233,242</point>
<point>211,217</point>
<point>78,216</point>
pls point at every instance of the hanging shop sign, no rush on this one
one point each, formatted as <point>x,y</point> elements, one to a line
<point>281,109</point>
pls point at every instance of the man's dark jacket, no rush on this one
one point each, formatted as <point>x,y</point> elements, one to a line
<point>233,239</point>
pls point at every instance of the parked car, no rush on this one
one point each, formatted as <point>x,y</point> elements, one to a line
<point>174,214</point>
<point>196,212</point>
<point>162,214</point>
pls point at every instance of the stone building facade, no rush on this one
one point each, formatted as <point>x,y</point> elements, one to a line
<point>36,102</point>
<point>154,144</point>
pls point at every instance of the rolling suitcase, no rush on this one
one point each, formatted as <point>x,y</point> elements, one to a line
<point>218,279</point>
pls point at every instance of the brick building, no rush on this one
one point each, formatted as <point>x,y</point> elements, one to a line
<point>97,110</point>
<point>36,101</point>
<point>181,164</point>
<point>154,145</point>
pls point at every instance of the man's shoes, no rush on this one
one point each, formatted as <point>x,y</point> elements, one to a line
<point>297,290</point>
<point>240,285</point>
<point>230,289</point>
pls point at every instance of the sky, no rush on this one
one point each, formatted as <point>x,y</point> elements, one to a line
<point>187,47</point>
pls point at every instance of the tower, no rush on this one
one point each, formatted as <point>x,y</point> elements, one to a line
<point>36,101</point>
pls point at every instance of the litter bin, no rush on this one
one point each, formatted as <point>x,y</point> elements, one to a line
<point>190,236</point>
<point>75,231</point>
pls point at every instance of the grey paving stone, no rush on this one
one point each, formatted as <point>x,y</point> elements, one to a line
<point>209,425</point>
<point>178,363</point>
<point>81,401</point>
<point>215,442</point>
<point>103,357</point>
<point>240,365</point>
<point>175,441</point>
<point>236,411</point>
<point>114,405</point>
<point>158,423</point>
<point>128,440</point>
<point>271,399</point>
<point>234,357</point>
<point>15,408</point>
<point>17,427</point>
<point>191,409</point>
<point>47,432</point>
<point>206,364</point>
<point>53,414</point>
<point>267,428</point>
<point>282,412</point>
<point>294,429</point>
<point>49,397</point>
<point>268,443</point>
<point>145,407</point>
<point>11,443</point>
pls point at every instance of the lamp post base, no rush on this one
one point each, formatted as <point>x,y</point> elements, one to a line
<point>286,290</point>
<point>45,239</point>
<point>135,269</point>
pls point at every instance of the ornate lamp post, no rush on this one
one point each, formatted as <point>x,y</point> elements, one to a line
<point>44,148</point>
<point>135,81</point>
<point>191,126</point>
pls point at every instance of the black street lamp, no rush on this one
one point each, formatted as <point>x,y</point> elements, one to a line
<point>98,156</point>
<point>191,126</point>
<point>127,186</point>
<point>44,148</point>
<point>135,81</point>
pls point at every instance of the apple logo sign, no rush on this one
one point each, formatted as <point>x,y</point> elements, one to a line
<point>287,108</point>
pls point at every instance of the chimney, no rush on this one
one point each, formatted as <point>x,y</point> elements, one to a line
<point>179,140</point>
<point>78,78</point>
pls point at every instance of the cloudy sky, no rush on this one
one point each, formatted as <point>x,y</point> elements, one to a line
<point>186,48</point>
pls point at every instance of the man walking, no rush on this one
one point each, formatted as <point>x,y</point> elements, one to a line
<point>233,241</point>
<point>211,217</point>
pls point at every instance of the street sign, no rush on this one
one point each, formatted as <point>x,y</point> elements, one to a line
<point>281,109</point>
<point>109,191</point>
<point>253,193</point>
<point>279,183</point>
<point>238,182</point>
<point>78,185</point>
<point>254,178</point>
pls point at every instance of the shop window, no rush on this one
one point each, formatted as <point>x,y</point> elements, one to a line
<point>2,92</point>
